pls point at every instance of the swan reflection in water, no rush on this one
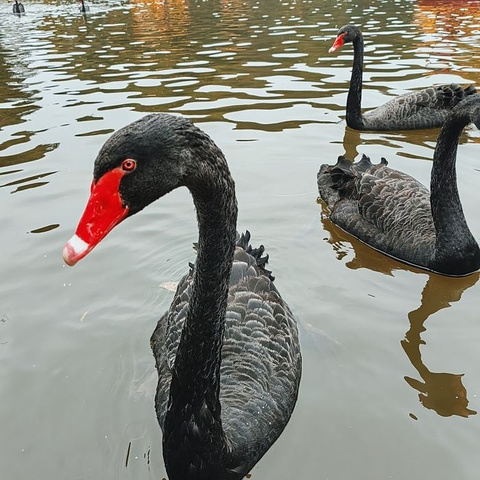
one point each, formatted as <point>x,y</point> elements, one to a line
<point>439,391</point>
<point>353,139</point>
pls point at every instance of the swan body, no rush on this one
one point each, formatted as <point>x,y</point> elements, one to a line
<point>397,215</point>
<point>227,350</point>
<point>426,108</point>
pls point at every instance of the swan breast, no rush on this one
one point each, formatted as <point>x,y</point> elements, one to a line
<point>261,360</point>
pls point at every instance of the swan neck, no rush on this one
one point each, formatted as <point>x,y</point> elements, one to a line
<point>451,227</point>
<point>194,407</point>
<point>354,98</point>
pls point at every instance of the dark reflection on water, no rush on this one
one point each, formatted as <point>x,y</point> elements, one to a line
<point>36,153</point>
<point>45,229</point>
<point>355,142</point>
<point>28,179</point>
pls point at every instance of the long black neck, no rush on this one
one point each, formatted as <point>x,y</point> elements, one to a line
<point>354,99</point>
<point>193,436</point>
<point>455,245</point>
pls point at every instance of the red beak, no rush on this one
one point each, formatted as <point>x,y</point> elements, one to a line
<point>104,210</point>
<point>338,43</point>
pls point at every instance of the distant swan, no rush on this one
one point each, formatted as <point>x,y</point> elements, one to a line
<point>394,213</point>
<point>426,108</point>
<point>84,8</point>
<point>18,7</point>
<point>227,351</point>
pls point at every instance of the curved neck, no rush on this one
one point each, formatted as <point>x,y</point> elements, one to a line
<point>194,407</point>
<point>354,99</point>
<point>453,236</point>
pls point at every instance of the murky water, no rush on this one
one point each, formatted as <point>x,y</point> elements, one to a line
<point>391,383</point>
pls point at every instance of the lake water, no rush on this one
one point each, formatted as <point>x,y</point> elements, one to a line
<point>391,384</point>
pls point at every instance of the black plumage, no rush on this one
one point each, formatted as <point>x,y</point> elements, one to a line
<point>394,213</point>
<point>227,350</point>
<point>426,108</point>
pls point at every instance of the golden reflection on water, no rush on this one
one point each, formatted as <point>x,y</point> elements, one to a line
<point>171,18</point>
<point>442,392</point>
<point>36,153</point>
<point>450,26</point>
<point>449,17</point>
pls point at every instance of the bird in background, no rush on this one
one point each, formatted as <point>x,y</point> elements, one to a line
<point>427,108</point>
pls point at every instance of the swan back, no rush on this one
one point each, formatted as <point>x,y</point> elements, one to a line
<point>427,108</point>
<point>384,208</point>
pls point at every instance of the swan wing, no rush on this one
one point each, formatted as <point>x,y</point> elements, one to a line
<point>261,362</point>
<point>426,108</point>
<point>385,208</point>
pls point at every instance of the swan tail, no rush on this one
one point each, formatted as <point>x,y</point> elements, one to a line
<point>470,90</point>
<point>342,180</point>
<point>451,95</point>
<point>243,241</point>
<point>344,173</point>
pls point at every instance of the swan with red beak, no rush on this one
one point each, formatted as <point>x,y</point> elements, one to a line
<point>427,108</point>
<point>228,347</point>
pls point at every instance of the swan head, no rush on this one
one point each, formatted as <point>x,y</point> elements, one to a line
<point>137,165</point>
<point>347,34</point>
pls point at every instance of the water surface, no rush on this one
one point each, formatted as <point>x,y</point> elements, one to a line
<point>391,382</point>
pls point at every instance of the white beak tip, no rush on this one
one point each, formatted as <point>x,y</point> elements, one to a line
<point>74,250</point>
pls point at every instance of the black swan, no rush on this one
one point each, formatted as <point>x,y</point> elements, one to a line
<point>426,108</point>
<point>394,213</point>
<point>84,8</point>
<point>18,7</point>
<point>227,351</point>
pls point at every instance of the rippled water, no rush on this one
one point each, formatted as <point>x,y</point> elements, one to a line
<point>391,385</point>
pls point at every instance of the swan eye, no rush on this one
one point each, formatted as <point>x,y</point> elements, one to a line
<point>129,165</point>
